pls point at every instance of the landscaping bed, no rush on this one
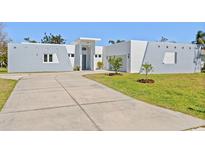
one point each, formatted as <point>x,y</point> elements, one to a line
<point>179,92</point>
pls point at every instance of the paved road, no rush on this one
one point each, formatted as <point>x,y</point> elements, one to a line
<point>68,101</point>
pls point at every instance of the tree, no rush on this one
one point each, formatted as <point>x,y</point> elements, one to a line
<point>147,68</point>
<point>4,40</point>
<point>53,39</point>
<point>114,42</point>
<point>163,39</point>
<point>111,42</point>
<point>29,40</point>
<point>50,39</point>
<point>200,38</point>
<point>116,63</point>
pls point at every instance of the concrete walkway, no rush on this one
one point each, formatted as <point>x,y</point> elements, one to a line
<point>68,101</point>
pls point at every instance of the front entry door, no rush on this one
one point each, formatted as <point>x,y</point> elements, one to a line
<point>84,62</point>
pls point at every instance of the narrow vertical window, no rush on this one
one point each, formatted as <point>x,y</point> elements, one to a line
<point>50,58</point>
<point>45,58</point>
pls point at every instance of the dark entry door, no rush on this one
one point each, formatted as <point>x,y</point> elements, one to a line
<point>84,62</point>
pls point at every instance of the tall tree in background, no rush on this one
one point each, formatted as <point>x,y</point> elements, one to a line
<point>163,39</point>
<point>200,38</point>
<point>3,46</point>
<point>114,42</point>
<point>53,39</point>
<point>29,40</point>
<point>50,39</point>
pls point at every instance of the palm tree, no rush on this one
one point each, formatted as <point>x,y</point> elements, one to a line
<point>200,37</point>
<point>111,42</point>
<point>114,42</point>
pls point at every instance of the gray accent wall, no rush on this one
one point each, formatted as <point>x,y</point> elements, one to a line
<point>29,58</point>
<point>187,57</point>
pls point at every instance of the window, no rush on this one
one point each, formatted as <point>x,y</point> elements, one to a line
<point>72,55</point>
<point>69,55</point>
<point>83,48</point>
<point>96,56</point>
<point>167,47</point>
<point>175,47</point>
<point>158,46</point>
<point>45,58</point>
<point>50,58</point>
<point>99,56</point>
<point>182,47</point>
<point>190,48</point>
<point>170,58</point>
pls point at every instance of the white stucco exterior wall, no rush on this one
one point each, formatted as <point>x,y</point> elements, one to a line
<point>71,50</point>
<point>137,52</point>
<point>119,49</point>
<point>28,57</point>
<point>98,51</point>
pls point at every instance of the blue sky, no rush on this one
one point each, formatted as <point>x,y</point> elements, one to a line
<point>179,32</point>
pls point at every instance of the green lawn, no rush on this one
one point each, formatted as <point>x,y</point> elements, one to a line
<point>3,70</point>
<point>180,92</point>
<point>6,87</point>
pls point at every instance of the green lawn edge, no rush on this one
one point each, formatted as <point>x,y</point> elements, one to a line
<point>99,78</point>
<point>6,88</point>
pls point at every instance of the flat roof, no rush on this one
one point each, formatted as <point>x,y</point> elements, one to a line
<point>87,39</point>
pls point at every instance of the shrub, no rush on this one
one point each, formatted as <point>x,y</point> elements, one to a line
<point>100,65</point>
<point>116,63</point>
<point>76,68</point>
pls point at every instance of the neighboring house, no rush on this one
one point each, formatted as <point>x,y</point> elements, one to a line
<point>165,57</point>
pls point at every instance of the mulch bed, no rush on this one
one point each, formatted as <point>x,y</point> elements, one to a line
<point>114,74</point>
<point>145,81</point>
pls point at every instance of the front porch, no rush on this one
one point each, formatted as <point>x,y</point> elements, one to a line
<point>85,53</point>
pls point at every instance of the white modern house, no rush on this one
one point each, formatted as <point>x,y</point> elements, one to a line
<point>166,57</point>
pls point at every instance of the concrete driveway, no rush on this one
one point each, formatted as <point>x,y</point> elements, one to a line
<point>68,101</point>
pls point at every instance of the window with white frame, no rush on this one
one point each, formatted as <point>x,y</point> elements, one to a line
<point>71,55</point>
<point>48,58</point>
<point>170,58</point>
<point>98,55</point>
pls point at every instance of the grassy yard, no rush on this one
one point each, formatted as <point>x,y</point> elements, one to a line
<point>6,87</point>
<point>3,70</point>
<point>180,92</point>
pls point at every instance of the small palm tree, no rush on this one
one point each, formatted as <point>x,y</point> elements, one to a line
<point>147,68</point>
